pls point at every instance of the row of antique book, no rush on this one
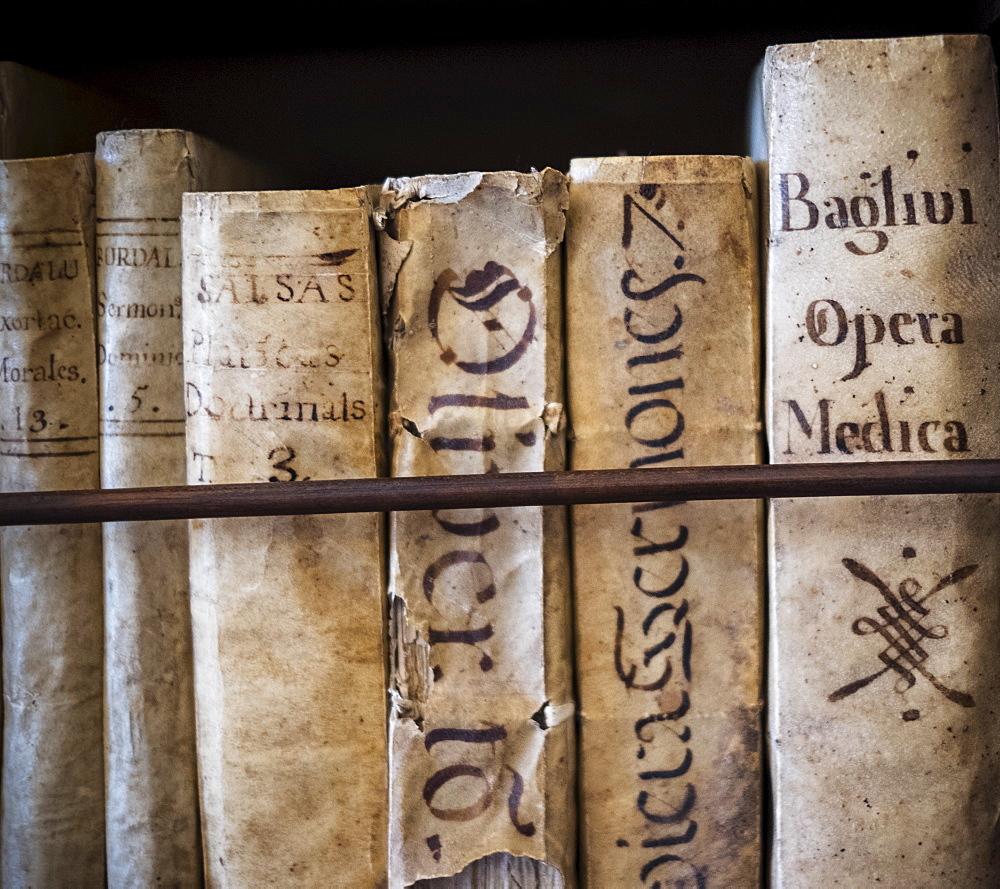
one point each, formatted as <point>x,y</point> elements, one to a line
<point>522,696</point>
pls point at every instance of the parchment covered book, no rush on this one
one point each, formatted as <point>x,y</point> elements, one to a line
<point>481,730</point>
<point>52,830</point>
<point>152,812</point>
<point>282,384</point>
<point>883,332</point>
<point>662,314</point>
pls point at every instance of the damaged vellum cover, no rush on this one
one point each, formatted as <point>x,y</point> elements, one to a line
<point>883,271</point>
<point>662,296</point>
<point>282,384</point>
<point>481,731</point>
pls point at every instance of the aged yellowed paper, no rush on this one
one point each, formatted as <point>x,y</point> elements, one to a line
<point>281,384</point>
<point>883,331</point>
<point>482,722</point>
<point>53,750</point>
<point>662,297</point>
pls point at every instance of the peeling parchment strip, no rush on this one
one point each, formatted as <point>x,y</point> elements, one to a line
<point>482,724</point>
<point>152,810</point>
<point>662,296</point>
<point>53,632</point>
<point>282,383</point>
<point>882,290</point>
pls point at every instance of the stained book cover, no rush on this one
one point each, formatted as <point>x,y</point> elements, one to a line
<point>282,384</point>
<point>481,731</point>
<point>882,283</point>
<point>662,296</point>
<point>52,830</point>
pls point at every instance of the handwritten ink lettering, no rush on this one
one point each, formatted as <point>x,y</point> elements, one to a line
<point>50,370</point>
<point>322,287</point>
<point>800,211</point>
<point>271,351</point>
<point>467,787</point>
<point>874,435</point>
<point>140,358</point>
<point>487,781</point>
<point>137,310</point>
<point>481,292</point>
<point>827,324</point>
<point>35,422</point>
<point>203,462</point>
<point>660,664</point>
<point>39,272</point>
<point>252,407</point>
<point>282,463</point>
<point>137,257</point>
<point>41,322</point>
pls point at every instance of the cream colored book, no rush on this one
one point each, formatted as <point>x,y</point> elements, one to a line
<point>282,384</point>
<point>52,798</point>
<point>662,297</point>
<point>152,812</point>
<point>883,331</point>
<point>481,729</point>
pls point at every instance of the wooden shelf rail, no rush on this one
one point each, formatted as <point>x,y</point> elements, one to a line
<point>513,489</point>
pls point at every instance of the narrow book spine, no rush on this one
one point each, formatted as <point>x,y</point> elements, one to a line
<point>662,299</point>
<point>53,776</point>
<point>481,732</point>
<point>883,268</point>
<point>152,812</point>
<point>282,383</point>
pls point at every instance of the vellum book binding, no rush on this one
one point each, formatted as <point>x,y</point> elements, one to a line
<point>662,296</point>
<point>882,345</point>
<point>53,629</point>
<point>282,383</point>
<point>481,733</point>
<point>152,811</point>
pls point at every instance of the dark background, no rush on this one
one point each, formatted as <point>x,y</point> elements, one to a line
<point>408,88</point>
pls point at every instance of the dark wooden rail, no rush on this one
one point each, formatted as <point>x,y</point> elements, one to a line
<point>514,489</point>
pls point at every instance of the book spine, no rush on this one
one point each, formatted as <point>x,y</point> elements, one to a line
<point>152,812</point>
<point>52,830</point>
<point>281,384</point>
<point>662,296</point>
<point>882,346</point>
<point>481,734</point>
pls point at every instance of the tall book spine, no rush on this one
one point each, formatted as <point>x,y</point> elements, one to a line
<point>883,268</point>
<point>152,812</point>
<point>282,383</point>
<point>52,825</point>
<point>662,297</point>
<point>481,733</point>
